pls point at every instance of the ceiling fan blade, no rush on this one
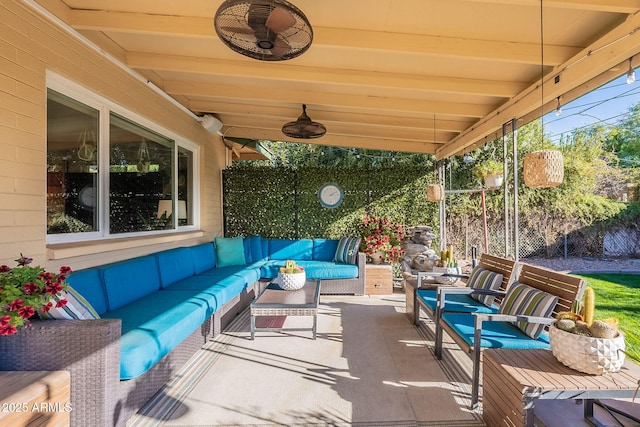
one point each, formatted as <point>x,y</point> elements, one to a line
<point>280,48</point>
<point>280,20</point>
<point>237,30</point>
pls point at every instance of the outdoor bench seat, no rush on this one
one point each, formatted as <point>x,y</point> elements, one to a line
<point>475,331</point>
<point>156,311</point>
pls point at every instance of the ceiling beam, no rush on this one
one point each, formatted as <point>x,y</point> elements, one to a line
<point>613,6</point>
<point>320,113</point>
<point>316,75</point>
<point>485,50</point>
<point>356,103</point>
<point>602,56</point>
<point>336,140</point>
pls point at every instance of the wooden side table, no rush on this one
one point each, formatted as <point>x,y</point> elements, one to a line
<point>378,279</point>
<point>29,398</point>
<point>513,380</point>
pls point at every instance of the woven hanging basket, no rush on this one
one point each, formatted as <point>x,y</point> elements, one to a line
<point>543,169</point>
<point>435,193</point>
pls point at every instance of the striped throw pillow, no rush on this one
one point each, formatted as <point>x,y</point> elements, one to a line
<point>484,279</point>
<point>347,250</point>
<point>528,301</point>
<point>77,308</point>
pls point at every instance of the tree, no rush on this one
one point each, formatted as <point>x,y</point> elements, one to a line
<point>624,139</point>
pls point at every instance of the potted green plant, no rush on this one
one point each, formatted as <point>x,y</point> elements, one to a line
<point>491,171</point>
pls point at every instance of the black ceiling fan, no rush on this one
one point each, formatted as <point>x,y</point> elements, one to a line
<point>267,30</point>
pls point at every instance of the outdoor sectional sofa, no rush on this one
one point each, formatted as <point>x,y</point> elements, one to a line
<point>156,311</point>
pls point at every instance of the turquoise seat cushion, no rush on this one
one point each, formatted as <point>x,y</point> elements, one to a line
<point>253,249</point>
<point>203,257</point>
<point>89,284</point>
<point>220,289</point>
<point>229,251</point>
<point>175,264</point>
<point>494,334</point>
<point>459,303</point>
<point>324,249</point>
<point>313,269</point>
<point>297,250</point>
<point>130,280</point>
<point>242,270</point>
<point>155,325</point>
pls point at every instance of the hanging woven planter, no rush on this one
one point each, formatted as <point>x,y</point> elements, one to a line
<point>543,169</point>
<point>435,193</point>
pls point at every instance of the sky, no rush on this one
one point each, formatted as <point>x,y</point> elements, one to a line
<point>607,105</point>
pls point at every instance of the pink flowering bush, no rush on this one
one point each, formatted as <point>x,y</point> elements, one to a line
<point>25,290</point>
<point>380,234</point>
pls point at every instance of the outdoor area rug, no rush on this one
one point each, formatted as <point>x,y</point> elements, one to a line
<point>369,366</point>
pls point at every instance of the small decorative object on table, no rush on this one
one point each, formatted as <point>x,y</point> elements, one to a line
<point>591,346</point>
<point>291,277</point>
<point>449,265</point>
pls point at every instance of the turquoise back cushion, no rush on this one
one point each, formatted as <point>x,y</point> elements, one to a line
<point>229,251</point>
<point>130,280</point>
<point>324,249</point>
<point>88,284</point>
<point>203,257</point>
<point>301,249</point>
<point>253,249</point>
<point>175,264</point>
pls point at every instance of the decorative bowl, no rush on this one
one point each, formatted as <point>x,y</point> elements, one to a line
<point>590,355</point>
<point>446,280</point>
<point>291,281</point>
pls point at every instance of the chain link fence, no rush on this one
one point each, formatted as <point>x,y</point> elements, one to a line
<point>560,239</point>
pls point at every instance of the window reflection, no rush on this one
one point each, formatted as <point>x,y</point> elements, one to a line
<point>72,166</point>
<point>140,178</point>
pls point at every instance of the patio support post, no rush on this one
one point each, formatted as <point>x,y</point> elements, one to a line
<point>442,214</point>
<point>505,186</point>
<point>516,234</point>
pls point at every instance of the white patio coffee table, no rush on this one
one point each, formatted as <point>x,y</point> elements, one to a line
<point>274,301</point>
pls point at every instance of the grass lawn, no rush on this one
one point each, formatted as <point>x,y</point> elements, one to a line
<point>618,295</point>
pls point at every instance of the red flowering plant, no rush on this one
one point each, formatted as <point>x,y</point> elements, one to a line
<point>381,235</point>
<point>25,290</point>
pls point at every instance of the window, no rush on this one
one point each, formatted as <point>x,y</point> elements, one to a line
<point>108,175</point>
<point>140,178</point>
<point>72,166</point>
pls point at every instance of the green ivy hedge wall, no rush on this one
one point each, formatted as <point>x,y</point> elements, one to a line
<point>282,202</point>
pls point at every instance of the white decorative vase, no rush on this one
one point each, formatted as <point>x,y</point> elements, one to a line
<point>291,281</point>
<point>447,280</point>
<point>590,355</point>
<point>493,180</point>
<point>378,257</point>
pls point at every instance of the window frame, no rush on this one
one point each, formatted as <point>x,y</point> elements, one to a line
<point>105,107</point>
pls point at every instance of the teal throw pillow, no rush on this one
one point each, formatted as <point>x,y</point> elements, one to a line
<point>230,251</point>
<point>347,250</point>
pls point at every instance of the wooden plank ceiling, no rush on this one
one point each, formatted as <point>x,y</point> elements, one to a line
<point>422,76</point>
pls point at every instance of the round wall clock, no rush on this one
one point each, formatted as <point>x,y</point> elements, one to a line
<point>330,195</point>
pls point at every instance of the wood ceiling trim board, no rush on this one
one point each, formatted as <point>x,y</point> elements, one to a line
<point>352,102</point>
<point>612,6</point>
<point>505,51</point>
<point>314,75</point>
<point>338,141</point>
